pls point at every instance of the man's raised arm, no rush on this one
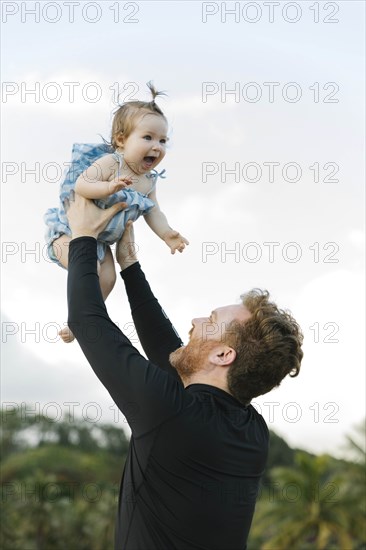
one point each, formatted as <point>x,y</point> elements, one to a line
<point>144,393</point>
<point>108,350</point>
<point>156,333</point>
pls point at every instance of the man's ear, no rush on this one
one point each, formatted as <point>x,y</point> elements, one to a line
<point>222,356</point>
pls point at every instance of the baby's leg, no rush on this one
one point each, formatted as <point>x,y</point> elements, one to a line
<point>107,274</point>
<point>107,279</point>
<point>61,251</point>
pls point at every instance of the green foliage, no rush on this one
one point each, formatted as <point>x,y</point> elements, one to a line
<point>60,491</point>
<point>318,503</point>
<point>280,454</point>
<point>60,485</point>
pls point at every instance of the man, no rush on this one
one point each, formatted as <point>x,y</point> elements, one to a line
<point>198,448</point>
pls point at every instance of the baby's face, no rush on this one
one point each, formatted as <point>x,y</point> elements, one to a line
<point>145,147</point>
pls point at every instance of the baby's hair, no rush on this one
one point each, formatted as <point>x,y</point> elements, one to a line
<point>126,115</point>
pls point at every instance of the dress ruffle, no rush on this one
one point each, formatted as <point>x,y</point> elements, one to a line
<point>83,155</point>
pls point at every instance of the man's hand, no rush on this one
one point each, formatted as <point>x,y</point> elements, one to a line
<point>175,241</point>
<point>126,247</point>
<point>86,219</point>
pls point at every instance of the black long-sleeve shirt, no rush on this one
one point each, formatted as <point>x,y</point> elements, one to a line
<point>196,454</point>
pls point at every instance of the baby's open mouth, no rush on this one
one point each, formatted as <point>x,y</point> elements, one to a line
<point>149,160</point>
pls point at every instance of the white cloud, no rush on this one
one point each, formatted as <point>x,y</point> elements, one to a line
<point>223,213</point>
<point>357,239</point>
<point>330,386</point>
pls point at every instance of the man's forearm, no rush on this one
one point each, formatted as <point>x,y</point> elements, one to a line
<point>156,333</point>
<point>107,349</point>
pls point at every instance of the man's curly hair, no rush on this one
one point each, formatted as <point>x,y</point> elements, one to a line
<point>267,345</point>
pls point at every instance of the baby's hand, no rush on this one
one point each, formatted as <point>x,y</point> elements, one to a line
<point>175,241</point>
<point>118,183</point>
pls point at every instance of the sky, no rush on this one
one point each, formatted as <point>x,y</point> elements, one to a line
<point>265,177</point>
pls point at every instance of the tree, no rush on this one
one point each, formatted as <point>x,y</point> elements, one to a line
<point>309,507</point>
<point>59,487</point>
<point>280,454</point>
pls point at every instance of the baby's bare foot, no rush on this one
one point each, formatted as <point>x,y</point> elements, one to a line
<point>66,335</point>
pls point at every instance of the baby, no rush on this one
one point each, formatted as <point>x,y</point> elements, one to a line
<point>122,172</point>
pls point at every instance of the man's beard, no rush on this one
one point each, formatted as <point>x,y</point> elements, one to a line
<point>191,358</point>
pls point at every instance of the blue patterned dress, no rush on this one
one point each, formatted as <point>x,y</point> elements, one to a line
<point>83,155</point>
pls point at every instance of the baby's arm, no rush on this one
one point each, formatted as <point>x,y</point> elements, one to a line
<point>94,182</point>
<point>157,221</point>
